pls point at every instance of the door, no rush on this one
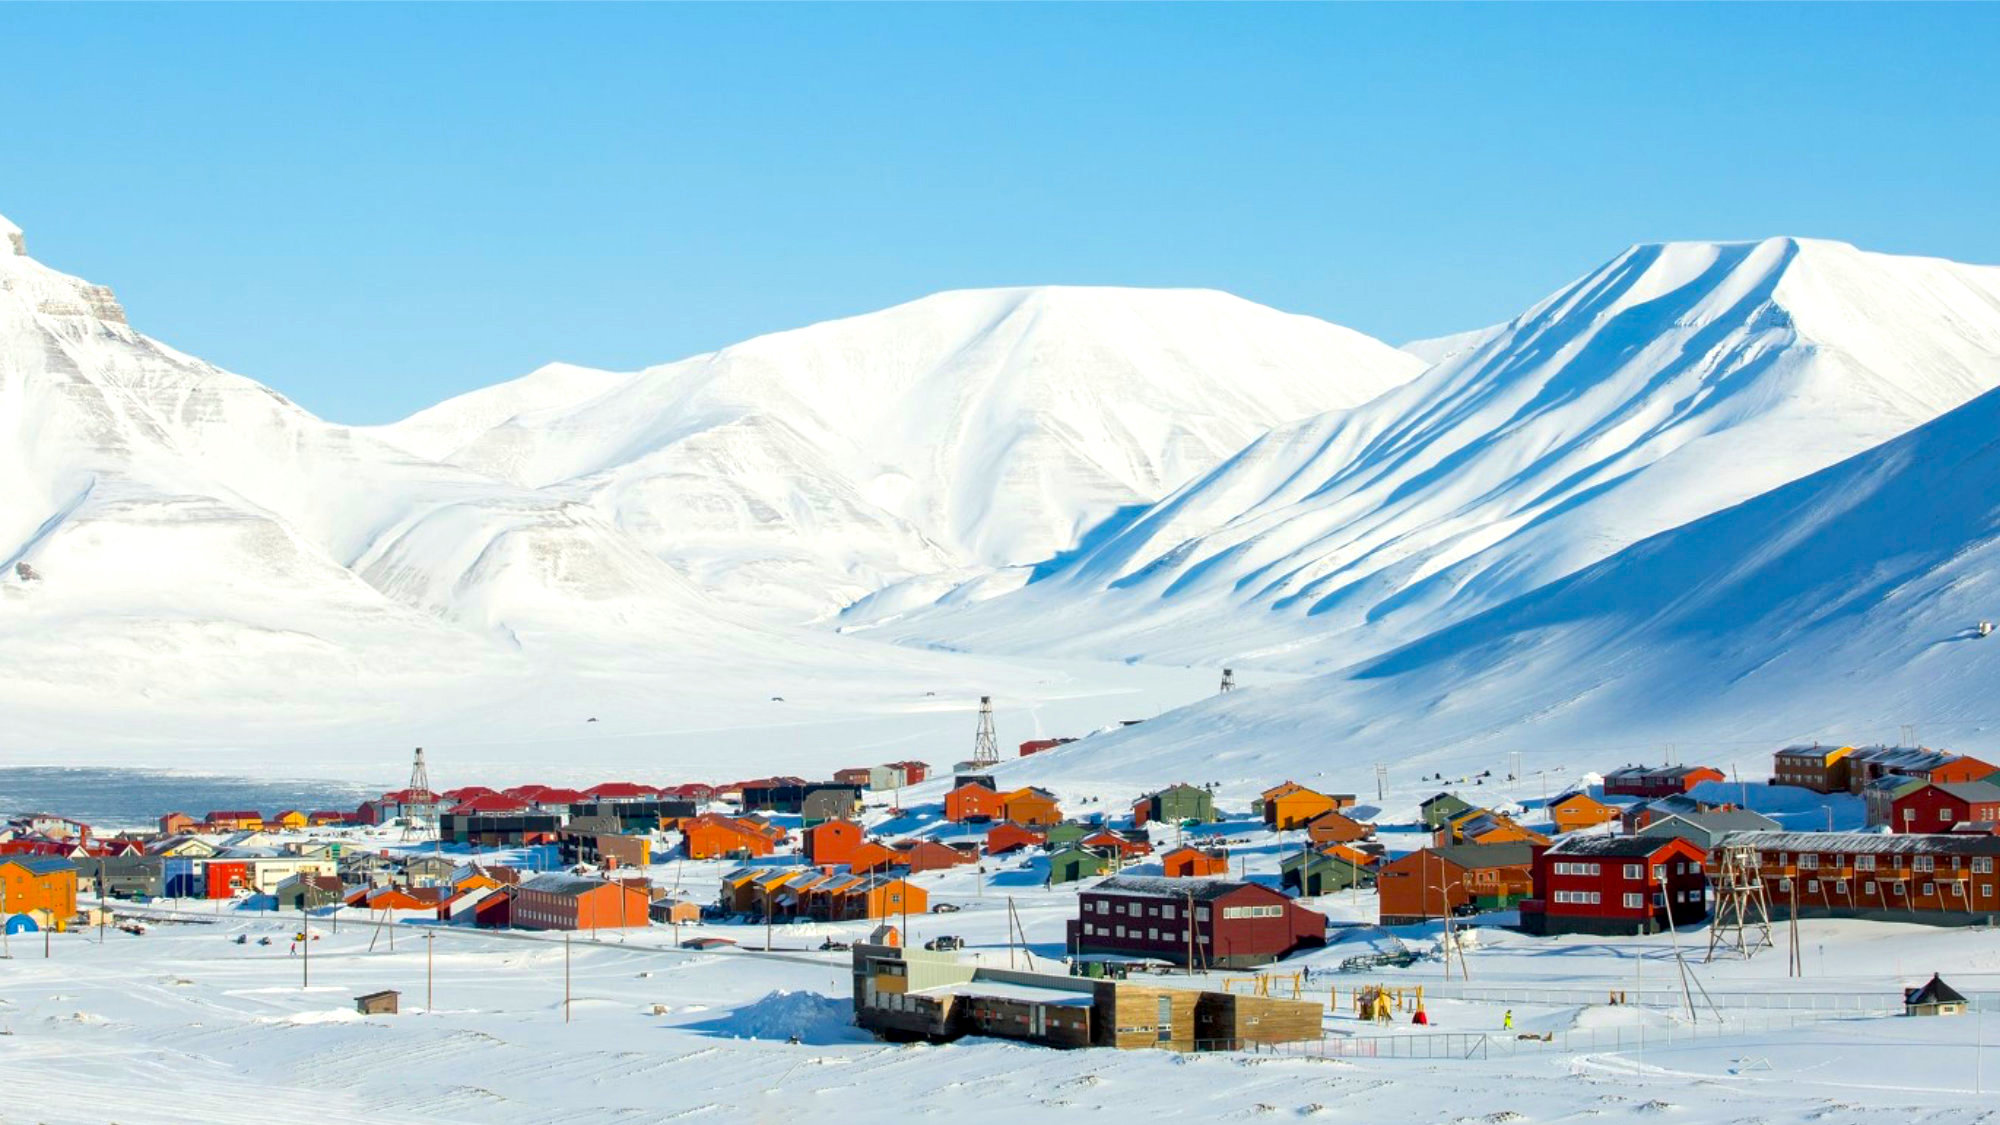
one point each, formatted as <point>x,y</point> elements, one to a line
<point>1166,1019</point>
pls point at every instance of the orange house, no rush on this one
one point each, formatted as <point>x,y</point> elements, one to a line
<point>712,836</point>
<point>882,898</point>
<point>1332,827</point>
<point>236,821</point>
<point>1190,862</point>
<point>972,801</point>
<point>832,841</point>
<point>556,901</point>
<point>1292,805</point>
<point>929,855</point>
<point>1580,810</point>
<point>1032,807</point>
<point>871,856</point>
<point>37,882</point>
<point>178,824</point>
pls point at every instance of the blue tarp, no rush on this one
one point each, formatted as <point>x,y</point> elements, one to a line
<point>21,924</point>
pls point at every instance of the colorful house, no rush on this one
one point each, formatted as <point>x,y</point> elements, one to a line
<point>1616,885</point>
<point>1008,837</point>
<point>973,802</point>
<point>1577,811</point>
<point>38,883</point>
<point>1031,807</point>
<point>1657,781</point>
<point>177,824</point>
<point>556,901</point>
<point>1440,808</point>
<point>1437,881</point>
<point>1176,804</point>
<point>1315,872</point>
<point>1333,827</point>
<point>832,842</point>
<point>1215,923</point>
<point>1943,806</point>
<point>235,821</point>
<point>1072,863</point>
<point>713,836</point>
<point>1822,769</point>
<point>1189,862</point>
<point>289,820</point>
<point>1292,805</point>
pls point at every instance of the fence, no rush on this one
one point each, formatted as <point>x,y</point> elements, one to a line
<point>1854,1003</point>
<point>1504,1045</point>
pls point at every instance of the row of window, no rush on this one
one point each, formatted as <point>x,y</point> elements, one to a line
<point>1809,861</point>
<point>1163,910</point>
<point>1634,900</point>
<point>1633,871</point>
<point>1253,912</point>
<point>1152,933</point>
<point>1899,888</point>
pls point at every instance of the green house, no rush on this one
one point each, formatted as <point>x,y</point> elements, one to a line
<point>1068,832</point>
<point>1175,804</point>
<point>1439,810</point>
<point>1317,873</point>
<point>1073,863</point>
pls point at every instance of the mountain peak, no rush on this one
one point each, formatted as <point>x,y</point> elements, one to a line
<point>14,237</point>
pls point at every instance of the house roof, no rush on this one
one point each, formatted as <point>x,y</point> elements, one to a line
<point>1718,822</point>
<point>1972,792</point>
<point>1476,856</point>
<point>569,886</point>
<point>1612,847</point>
<point>1158,886</point>
<point>1437,798</point>
<point>1867,843</point>
<point>1935,991</point>
<point>39,864</point>
<point>1820,754</point>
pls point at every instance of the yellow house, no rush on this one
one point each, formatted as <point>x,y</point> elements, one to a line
<point>290,818</point>
<point>1291,805</point>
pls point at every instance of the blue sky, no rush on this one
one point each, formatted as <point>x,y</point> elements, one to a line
<point>372,207</point>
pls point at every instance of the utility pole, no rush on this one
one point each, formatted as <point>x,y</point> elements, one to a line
<point>1381,781</point>
<point>565,976</point>
<point>305,939</point>
<point>429,1004</point>
<point>767,919</point>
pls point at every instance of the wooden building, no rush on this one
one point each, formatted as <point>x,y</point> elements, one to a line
<point>973,802</point>
<point>1822,769</point>
<point>1190,862</point>
<point>1335,827</point>
<point>1176,804</point>
<point>831,842</point>
<point>1437,881</point>
<point>714,836</point>
<point>1942,879</point>
<point>1292,805</point>
<point>572,902</point>
<point>388,1002</point>
<point>38,883</point>
<point>1005,837</point>
<point>1439,808</point>
<point>1940,806</point>
<point>1034,808</point>
<point>1657,781</point>
<point>916,995</point>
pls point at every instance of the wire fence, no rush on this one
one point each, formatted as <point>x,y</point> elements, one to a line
<point>1862,1002</point>
<point>1503,1045</point>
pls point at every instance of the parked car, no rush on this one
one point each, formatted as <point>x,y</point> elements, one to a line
<point>946,944</point>
<point>832,945</point>
<point>944,908</point>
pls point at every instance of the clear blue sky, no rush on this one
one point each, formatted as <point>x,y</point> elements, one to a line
<point>373,207</point>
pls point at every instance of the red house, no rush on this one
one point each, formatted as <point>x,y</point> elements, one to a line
<point>1942,806</point>
<point>832,842</point>
<point>913,772</point>
<point>1232,925</point>
<point>1616,885</point>
<point>1037,745</point>
<point>1657,781</point>
<point>929,855</point>
<point>1010,837</point>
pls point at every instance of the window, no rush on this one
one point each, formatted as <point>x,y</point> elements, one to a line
<point>1152,933</point>
<point>1201,913</point>
<point>1930,888</point>
<point>1809,862</point>
<point>1985,890</point>
<point>1253,911</point>
<point>1901,888</point>
<point>1784,885</point>
<point>1840,887</point>
<point>1925,863</point>
<point>1812,886</point>
<point>1633,871</point>
<point>1634,901</point>
<point>1167,912</point>
<point>1121,931</point>
<point>1982,865</point>
<point>1864,863</point>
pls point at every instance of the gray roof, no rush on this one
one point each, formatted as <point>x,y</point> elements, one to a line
<point>1904,757</point>
<point>1611,847</point>
<point>1976,792</point>
<point>1710,825</point>
<point>557,883</point>
<point>1935,991</point>
<point>1867,843</point>
<point>1815,752</point>
<point>41,864</point>
<point>1474,856</point>
<point>1156,886</point>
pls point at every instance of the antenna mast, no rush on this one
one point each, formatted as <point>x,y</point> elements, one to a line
<point>985,744</point>
<point>1742,923</point>
<point>419,801</point>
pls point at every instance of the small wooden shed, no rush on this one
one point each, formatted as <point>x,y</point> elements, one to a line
<point>1934,999</point>
<point>384,1003</point>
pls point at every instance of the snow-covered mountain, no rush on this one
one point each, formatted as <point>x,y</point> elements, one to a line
<point>1674,381</point>
<point>938,439</point>
<point>1842,607</point>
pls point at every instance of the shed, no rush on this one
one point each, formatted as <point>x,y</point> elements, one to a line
<point>384,1003</point>
<point>1934,999</point>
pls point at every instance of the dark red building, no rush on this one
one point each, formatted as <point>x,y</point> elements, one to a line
<point>1616,885</point>
<point>1233,925</point>
<point>1942,806</point>
<point>1657,781</point>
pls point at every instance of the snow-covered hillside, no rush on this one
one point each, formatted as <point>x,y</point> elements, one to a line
<point>1842,608</point>
<point>1676,380</point>
<point>949,436</point>
<point>189,559</point>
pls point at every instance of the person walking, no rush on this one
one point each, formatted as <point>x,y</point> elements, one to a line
<point>1507,1021</point>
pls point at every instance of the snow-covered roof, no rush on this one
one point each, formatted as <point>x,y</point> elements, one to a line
<point>1866,842</point>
